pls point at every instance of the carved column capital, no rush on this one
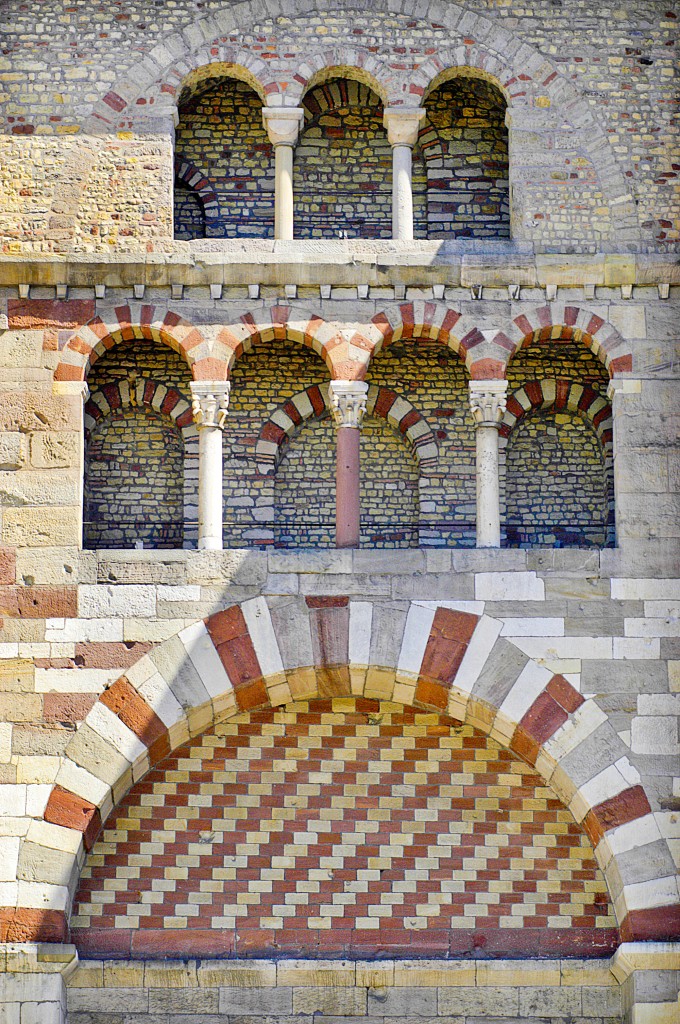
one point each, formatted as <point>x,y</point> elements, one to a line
<point>488,400</point>
<point>283,124</point>
<point>210,402</point>
<point>402,124</point>
<point>348,401</point>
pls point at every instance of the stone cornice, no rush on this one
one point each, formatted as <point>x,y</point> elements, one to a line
<point>340,263</point>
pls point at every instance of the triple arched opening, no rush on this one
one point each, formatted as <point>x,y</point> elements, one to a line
<point>342,172</point>
<point>418,439</point>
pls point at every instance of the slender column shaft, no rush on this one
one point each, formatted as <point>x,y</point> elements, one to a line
<point>487,403</point>
<point>210,402</point>
<point>210,488</point>
<point>488,505</point>
<point>283,202</point>
<point>348,405</point>
<point>347,506</point>
<point>283,127</point>
<point>402,133</point>
<point>402,194</point>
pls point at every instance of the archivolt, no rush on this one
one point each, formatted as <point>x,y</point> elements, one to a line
<point>313,404</point>
<point>446,657</point>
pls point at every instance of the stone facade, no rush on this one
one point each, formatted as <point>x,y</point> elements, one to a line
<point>426,770</point>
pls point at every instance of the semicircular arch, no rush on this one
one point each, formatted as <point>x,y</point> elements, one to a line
<point>313,403</point>
<point>557,321</point>
<point>143,321</point>
<point>446,657</point>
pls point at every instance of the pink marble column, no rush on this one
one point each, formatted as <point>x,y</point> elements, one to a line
<point>348,405</point>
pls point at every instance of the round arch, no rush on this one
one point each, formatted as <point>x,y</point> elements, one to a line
<point>446,656</point>
<point>280,323</point>
<point>196,181</point>
<point>125,323</point>
<point>205,42</point>
<point>347,62</point>
<point>433,321</point>
<point>313,403</point>
<point>558,321</point>
<point>581,400</point>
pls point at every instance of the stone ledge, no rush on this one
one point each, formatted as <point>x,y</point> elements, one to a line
<point>343,263</point>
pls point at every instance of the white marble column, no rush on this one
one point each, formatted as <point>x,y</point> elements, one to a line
<point>348,405</point>
<point>487,403</point>
<point>209,403</point>
<point>283,127</point>
<point>402,134</point>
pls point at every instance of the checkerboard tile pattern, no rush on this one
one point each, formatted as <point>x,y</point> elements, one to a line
<point>339,827</point>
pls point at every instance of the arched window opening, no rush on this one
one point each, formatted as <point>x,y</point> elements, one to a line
<point>141,450</point>
<point>556,483</point>
<point>133,486</point>
<point>465,145</point>
<point>220,131</point>
<point>304,488</point>
<point>342,175</point>
<point>263,381</point>
<point>389,488</point>
<point>433,378</point>
<point>189,214</point>
<point>556,452</point>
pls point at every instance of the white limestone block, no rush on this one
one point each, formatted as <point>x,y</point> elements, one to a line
<point>634,833</point>
<point>532,627</point>
<point>584,721</point>
<point>78,780</point>
<point>531,681</point>
<point>655,734</point>
<point>636,648</point>
<point>84,630</point>
<point>565,648</point>
<point>360,623</point>
<point>645,590</point>
<point>161,700</point>
<point>205,658</point>
<point>478,650</point>
<point>261,629</point>
<point>416,634</point>
<point>12,800</point>
<point>509,586</point>
<point>107,725</point>
<point>98,601</point>
<point>74,680</point>
<point>9,857</point>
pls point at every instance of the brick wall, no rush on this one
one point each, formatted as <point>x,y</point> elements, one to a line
<point>465,144</point>
<point>342,177</point>
<point>556,487</point>
<point>141,465</point>
<point>434,379</point>
<point>557,484</point>
<point>577,155</point>
<point>332,827</point>
<point>220,131</point>
<point>134,485</point>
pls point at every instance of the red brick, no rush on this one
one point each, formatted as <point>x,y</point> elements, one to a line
<point>327,602</point>
<point>624,807</point>
<point>432,694</point>
<point>226,625</point>
<point>543,718</point>
<point>564,693</point>
<point>27,924</point>
<point>240,660</point>
<point>487,369</point>
<point>71,811</point>
<point>67,707</point>
<point>133,711</point>
<point>35,314</point>
<point>39,602</point>
<point>8,562</point>
<point>110,655</point>
<point>659,924</point>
